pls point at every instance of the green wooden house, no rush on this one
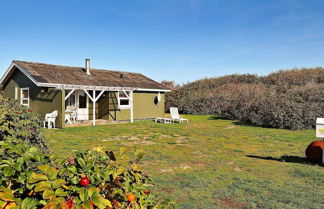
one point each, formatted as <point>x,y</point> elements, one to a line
<point>95,93</point>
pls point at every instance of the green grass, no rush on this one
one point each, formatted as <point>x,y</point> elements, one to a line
<point>212,162</point>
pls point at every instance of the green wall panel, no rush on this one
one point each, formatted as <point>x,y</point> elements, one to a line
<point>39,102</point>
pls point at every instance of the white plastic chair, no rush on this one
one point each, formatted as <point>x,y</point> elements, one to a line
<point>72,111</point>
<point>50,118</point>
<point>175,115</point>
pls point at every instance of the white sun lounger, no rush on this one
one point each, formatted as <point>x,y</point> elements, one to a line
<point>175,115</point>
<point>163,120</point>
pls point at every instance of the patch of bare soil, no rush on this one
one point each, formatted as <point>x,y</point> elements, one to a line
<point>231,203</point>
<point>141,142</point>
<point>167,190</point>
<point>198,164</point>
<point>230,127</point>
<point>198,153</point>
<point>165,170</point>
<point>184,166</point>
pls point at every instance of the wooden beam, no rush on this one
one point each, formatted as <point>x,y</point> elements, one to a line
<point>132,106</point>
<point>69,94</point>
<point>88,94</point>
<point>94,108</point>
<point>96,99</point>
<point>127,95</point>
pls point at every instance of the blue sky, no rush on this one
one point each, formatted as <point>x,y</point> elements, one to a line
<point>181,40</point>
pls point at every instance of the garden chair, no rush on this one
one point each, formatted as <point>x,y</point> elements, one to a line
<point>175,115</point>
<point>50,118</point>
<point>71,111</point>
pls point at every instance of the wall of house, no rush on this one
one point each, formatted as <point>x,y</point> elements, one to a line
<point>39,102</point>
<point>144,107</point>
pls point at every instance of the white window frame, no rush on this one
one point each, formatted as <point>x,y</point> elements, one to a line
<point>21,96</point>
<point>123,98</point>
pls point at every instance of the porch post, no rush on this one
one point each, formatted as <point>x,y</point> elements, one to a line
<point>94,108</point>
<point>131,106</point>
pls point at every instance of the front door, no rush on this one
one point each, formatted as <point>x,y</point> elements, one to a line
<point>83,104</point>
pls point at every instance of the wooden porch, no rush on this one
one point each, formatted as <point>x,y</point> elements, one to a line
<point>90,123</point>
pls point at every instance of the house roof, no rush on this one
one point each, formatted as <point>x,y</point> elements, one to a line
<point>44,74</point>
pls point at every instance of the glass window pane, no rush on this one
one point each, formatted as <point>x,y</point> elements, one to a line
<point>25,94</point>
<point>82,100</point>
<point>124,102</point>
<point>25,102</point>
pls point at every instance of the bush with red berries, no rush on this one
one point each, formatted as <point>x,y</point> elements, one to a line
<point>31,178</point>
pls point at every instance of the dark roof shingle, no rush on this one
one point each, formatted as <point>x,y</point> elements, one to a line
<point>58,74</point>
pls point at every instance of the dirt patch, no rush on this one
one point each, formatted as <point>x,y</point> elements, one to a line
<point>167,190</point>
<point>184,166</point>
<point>141,142</point>
<point>231,203</point>
<point>198,153</point>
<point>178,179</point>
<point>230,127</point>
<point>198,164</point>
<point>165,170</point>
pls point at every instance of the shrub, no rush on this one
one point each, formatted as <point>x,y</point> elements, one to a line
<point>36,181</point>
<point>285,99</point>
<point>31,178</point>
<point>18,123</point>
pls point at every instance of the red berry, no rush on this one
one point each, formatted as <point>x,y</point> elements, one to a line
<point>69,204</point>
<point>84,181</point>
<point>131,197</point>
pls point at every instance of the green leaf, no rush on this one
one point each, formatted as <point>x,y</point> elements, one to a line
<point>6,195</point>
<point>60,192</point>
<point>29,203</point>
<point>75,180</point>
<point>41,186</point>
<point>56,201</point>
<point>58,183</point>
<point>73,169</point>
<point>100,202</point>
<point>52,173</point>
<point>44,168</point>
<point>93,190</point>
<point>137,167</point>
<point>122,151</point>
<point>83,195</point>
<point>5,162</point>
<point>81,162</point>
<point>3,203</point>
<point>48,194</point>
<point>8,171</point>
<point>12,205</point>
<point>36,177</point>
<point>139,154</point>
<point>86,205</point>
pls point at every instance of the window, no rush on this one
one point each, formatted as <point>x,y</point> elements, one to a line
<point>82,100</point>
<point>24,97</point>
<point>70,101</point>
<point>123,100</point>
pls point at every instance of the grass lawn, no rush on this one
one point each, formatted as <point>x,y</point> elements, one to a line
<point>212,162</point>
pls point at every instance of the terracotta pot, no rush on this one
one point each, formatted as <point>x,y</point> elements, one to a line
<point>314,151</point>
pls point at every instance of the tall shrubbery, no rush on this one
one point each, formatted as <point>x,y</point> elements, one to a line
<point>17,122</point>
<point>285,99</point>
